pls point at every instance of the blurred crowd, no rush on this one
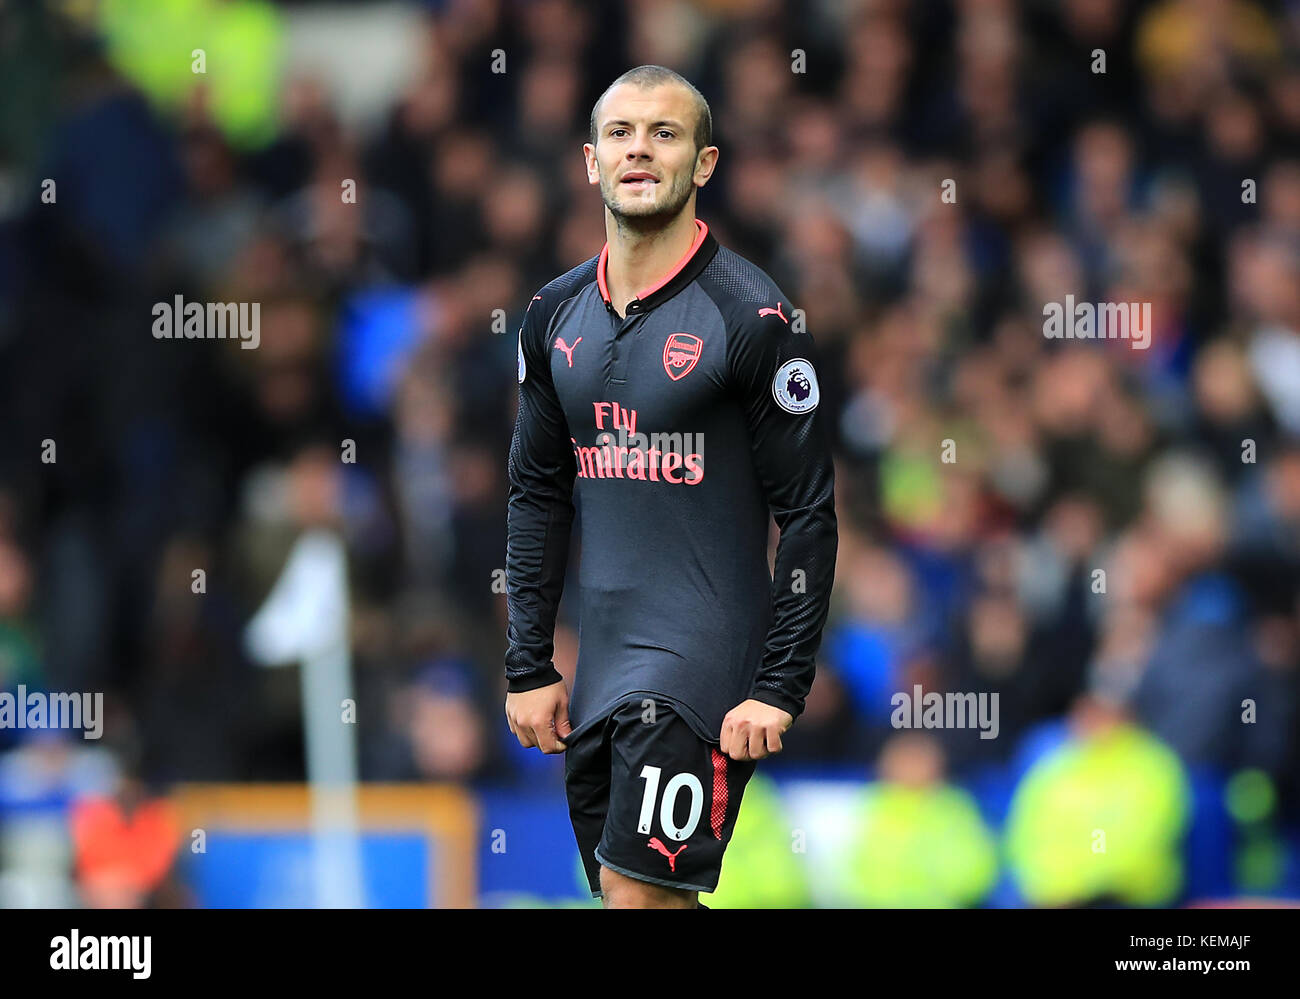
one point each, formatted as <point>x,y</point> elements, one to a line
<point>1104,536</point>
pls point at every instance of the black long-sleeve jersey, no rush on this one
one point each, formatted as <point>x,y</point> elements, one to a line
<point>684,425</point>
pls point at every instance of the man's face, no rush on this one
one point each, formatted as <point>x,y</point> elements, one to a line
<point>645,158</point>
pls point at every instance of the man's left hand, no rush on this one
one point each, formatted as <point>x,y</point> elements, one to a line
<point>752,730</point>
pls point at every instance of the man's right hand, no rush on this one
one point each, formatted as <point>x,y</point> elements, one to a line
<point>540,717</point>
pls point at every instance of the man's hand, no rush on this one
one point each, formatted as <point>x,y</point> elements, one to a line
<point>540,717</point>
<point>752,730</point>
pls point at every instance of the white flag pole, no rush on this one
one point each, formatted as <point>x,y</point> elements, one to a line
<point>305,620</point>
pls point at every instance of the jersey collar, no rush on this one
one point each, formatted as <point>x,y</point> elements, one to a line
<point>686,270</point>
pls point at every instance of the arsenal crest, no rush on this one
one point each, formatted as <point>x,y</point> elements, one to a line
<point>680,354</point>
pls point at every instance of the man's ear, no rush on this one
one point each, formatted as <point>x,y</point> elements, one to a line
<point>705,163</point>
<point>593,168</point>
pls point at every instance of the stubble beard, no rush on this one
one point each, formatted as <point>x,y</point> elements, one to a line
<point>645,218</point>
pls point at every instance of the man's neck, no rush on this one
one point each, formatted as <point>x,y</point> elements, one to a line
<point>639,260</point>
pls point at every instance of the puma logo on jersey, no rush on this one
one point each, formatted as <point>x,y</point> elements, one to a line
<point>568,351</point>
<point>774,312</point>
<point>656,844</point>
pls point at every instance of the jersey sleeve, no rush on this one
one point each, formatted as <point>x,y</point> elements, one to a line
<point>773,367</point>
<point>541,472</point>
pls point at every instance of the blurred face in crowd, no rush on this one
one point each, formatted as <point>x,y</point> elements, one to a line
<point>645,158</point>
<point>911,759</point>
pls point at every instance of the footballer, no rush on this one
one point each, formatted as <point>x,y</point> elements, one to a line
<point>667,386</point>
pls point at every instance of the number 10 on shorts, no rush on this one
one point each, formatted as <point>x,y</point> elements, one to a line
<point>671,830</point>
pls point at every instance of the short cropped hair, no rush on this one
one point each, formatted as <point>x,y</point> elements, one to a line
<point>653,76</point>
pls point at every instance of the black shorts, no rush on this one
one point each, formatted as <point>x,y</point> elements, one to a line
<point>651,799</point>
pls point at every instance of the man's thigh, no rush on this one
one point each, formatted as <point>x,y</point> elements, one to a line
<point>673,799</point>
<point>587,786</point>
